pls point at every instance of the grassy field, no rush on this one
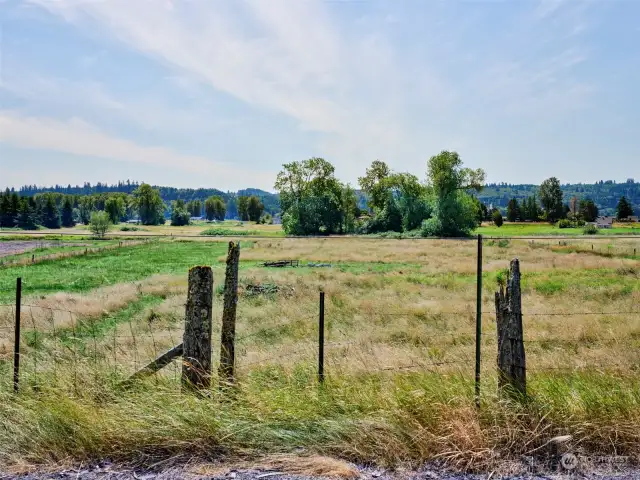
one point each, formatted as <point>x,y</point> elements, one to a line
<point>400,353</point>
<point>251,229</point>
<point>543,229</point>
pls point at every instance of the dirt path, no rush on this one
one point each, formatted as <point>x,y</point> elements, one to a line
<point>15,247</point>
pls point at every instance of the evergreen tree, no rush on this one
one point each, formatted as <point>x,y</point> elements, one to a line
<point>50,214</point>
<point>67,213</point>
<point>513,210</point>
<point>27,214</point>
<point>6,220</point>
<point>623,210</point>
<point>588,210</point>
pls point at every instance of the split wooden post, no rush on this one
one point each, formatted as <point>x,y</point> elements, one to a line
<point>512,376</point>
<point>196,365</point>
<point>228,334</point>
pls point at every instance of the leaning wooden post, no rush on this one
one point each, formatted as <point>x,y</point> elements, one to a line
<point>228,334</point>
<point>512,376</point>
<point>196,365</point>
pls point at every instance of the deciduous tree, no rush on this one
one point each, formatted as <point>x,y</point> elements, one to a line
<point>215,208</point>
<point>455,212</point>
<point>99,224</point>
<point>149,205</point>
<point>179,214</point>
<point>551,199</point>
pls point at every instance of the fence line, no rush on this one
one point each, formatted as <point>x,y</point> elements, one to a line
<point>41,345</point>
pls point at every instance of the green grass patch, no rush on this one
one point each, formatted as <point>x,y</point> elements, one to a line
<point>544,229</point>
<point>127,264</point>
<point>226,232</point>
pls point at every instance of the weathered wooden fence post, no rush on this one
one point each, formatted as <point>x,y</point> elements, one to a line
<point>512,376</point>
<point>196,365</point>
<point>228,334</point>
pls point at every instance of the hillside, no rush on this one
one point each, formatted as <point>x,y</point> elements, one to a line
<point>604,193</point>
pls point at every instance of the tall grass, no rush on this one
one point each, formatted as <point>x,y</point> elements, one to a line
<point>399,357</point>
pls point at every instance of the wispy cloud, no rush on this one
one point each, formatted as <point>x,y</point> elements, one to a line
<point>77,137</point>
<point>272,81</point>
<point>284,56</point>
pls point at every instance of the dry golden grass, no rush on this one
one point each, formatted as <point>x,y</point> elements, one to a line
<point>400,335</point>
<point>436,256</point>
<point>413,315</point>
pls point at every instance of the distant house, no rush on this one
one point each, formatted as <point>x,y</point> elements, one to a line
<point>603,222</point>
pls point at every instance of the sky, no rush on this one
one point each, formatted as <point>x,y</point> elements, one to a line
<point>221,93</point>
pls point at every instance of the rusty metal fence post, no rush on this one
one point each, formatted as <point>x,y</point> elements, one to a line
<point>478,320</point>
<point>321,340</point>
<point>16,344</point>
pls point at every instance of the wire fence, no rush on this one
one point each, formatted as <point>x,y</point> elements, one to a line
<point>63,348</point>
<point>66,347</point>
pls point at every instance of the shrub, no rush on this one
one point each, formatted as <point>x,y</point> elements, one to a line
<point>224,232</point>
<point>431,227</point>
<point>266,219</point>
<point>99,224</point>
<point>129,228</point>
<point>497,218</point>
<point>590,230</point>
<point>565,223</point>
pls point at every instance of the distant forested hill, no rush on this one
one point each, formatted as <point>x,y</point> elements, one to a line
<point>604,193</point>
<point>270,200</point>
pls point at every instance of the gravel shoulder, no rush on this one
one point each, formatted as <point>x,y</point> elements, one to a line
<point>337,469</point>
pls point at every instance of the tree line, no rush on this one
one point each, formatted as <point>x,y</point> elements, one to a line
<point>605,194</point>
<point>314,202</point>
<point>168,194</point>
<point>575,212</point>
<point>445,204</point>
<point>144,204</point>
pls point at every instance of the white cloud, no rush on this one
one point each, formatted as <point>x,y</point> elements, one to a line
<point>77,137</point>
<point>369,81</point>
<point>284,56</point>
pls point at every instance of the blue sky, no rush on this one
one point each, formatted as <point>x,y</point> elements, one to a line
<point>212,93</point>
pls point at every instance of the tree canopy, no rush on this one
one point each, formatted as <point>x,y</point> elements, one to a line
<point>149,205</point>
<point>551,199</point>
